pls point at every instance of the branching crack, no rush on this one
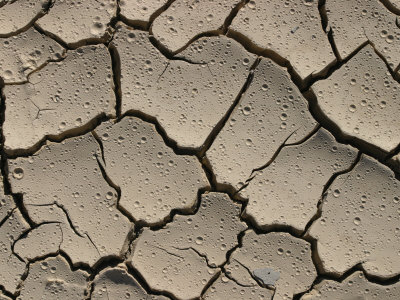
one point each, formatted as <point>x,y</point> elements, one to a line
<point>227,259</point>
<point>18,200</point>
<point>198,253</point>
<point>60,206</point>
<point>145,25</point>
<point>173,56</point>
<point>39,110</point>
<point>392,154</point>
<point>215,32</point>
<point>305,85</point>
<point>328,184</point>
<point>251,47</point>
<point>255,171</point>
<point>356,268</point>
<point>140,224</point>
<point>44,257</point>
<point>259,282</point>
<point>335,130</point>
<point>168,252</point>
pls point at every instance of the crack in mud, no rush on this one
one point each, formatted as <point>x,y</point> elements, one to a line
<point>222,122</point>
<point>327,185</point>
<point>305,86</point>
<point>45,10</point>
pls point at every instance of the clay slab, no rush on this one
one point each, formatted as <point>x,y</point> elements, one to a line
<point>62,98</point>
<point>179,92</point>
<point>291,29</point>
<point>359,221</point>
<point>117,283</point>
<point>24,53</point>
<point>77,23</point>
<point>183,257</point>
<point>356,286</point>
<point>356,22</point>
<point>280,253</point>
<point>277,196</point>
<point>15,16</point>
<point>361,98</point>
<point>185,19</point>
<point>52,278</point>
<point>152,178</point>
<point>71,178</point>
<point>271,112</point>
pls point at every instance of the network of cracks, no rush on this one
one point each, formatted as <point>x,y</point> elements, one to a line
<point>186,149</point>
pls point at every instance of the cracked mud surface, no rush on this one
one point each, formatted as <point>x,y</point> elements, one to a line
<point>177,149</point>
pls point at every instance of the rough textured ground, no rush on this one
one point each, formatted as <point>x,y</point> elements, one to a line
<point>200,149</point>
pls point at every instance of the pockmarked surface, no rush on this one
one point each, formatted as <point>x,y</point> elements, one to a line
<point>216,150</point>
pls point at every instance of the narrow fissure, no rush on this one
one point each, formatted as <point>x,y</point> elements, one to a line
<point>327,185</point>
<point>51,36</point>
<point>75,45</point>
<point>221,124</point>
<point>117,190</point>
<point>331,40</point>
<point>178,150</point>
<point>255,171</point>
